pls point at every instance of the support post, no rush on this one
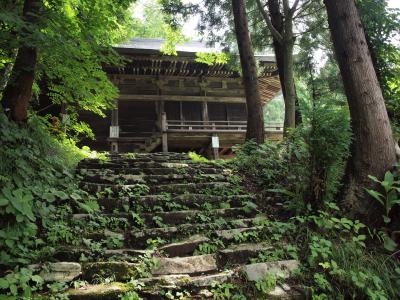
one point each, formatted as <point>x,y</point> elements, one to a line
<point>204,113</point>
<point>164,127</point>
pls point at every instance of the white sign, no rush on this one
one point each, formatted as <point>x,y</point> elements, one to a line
<point>215,142</point>
<point>114,131</point>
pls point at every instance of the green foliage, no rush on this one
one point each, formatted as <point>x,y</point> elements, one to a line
<point>197,157</point>
<point>326,134</point>
<point>209,247</point>
<point>266,285</point>
<point>21,281</point>
<point>73,74</point>
<point>37,183</point>
<point>274,111</point>
<point>212,58</point>
<point>390,198</point>
<point>223,291</point>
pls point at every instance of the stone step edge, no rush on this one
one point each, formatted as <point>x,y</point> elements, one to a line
<point>195,282</point>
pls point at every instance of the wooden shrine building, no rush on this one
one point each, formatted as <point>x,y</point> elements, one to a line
<point>173,103</point>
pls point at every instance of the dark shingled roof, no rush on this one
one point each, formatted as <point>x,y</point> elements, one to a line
<point>153,46</point>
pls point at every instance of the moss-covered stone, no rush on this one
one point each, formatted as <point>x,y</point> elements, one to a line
<point>120,271</point>
<point>98,292</point>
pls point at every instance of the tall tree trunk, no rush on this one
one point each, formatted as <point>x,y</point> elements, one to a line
<point>255,117</point>
<point>373,150</point>
<point>283,48</point>
<point>18,91</point>
<point>290,97</point>
<point>277,22</point>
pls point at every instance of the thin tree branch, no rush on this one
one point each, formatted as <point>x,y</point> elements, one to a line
<point>294,7</point>
<point>302,8</point>
<point>275,33</point>
<point>286,8</point>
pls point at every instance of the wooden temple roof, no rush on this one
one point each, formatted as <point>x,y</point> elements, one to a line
<point>143,57</point>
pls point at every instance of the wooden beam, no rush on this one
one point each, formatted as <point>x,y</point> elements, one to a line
<point>182,98</point>
<point>204,111</point>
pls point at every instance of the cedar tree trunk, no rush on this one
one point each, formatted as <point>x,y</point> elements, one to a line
<point>255,117</point>
<point>18,91</point>
<point>281,26</point>
<point>373,149</point>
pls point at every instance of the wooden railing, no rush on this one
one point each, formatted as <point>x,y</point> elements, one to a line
<point>213,126</point>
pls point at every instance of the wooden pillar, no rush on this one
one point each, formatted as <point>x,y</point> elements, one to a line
<point>204,112</point>
<point>164,128</point>
<point>181,113</point>
<point>159,111</point>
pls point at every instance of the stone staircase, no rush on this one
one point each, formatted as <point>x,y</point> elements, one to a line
<point>176,226</point>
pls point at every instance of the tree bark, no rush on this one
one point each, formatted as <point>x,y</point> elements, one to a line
<point>255,117</point>
<point>282,22</point>
<point>18,91</point>
<point>373,149</point>
<point>290,91</point>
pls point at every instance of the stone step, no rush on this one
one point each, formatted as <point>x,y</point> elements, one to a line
<point>137,158</point>
<point>175,279</point>
<point>193,169</point>
<point>165,219</point>
<point>191,265</point>
<point>230,235</point>
<point>176,164</point>
<point>168,202</point>
<point>173,188</point>
<point>138,239</point>
<point>184,280</point>
<point>111,291</point>
<point>201,188</point>
<point>117,270</point>
<point>152,179</point>
<point>73,254</point>
<point>233,254</point>
<point>124,271</point>
<point>184,247</point>
<point>240,254</point>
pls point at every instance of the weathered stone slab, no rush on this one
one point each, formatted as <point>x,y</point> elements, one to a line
<point>208,280</point>
<point>188,187</point>
<point>125,254</point>
<point>285,292</point>
<point>98,292</point>
<point>229,234</point>
<point>283,269</point>
<point>185,265</point>
<point>184,247</point>
<point>121,271</point>
<point>167,280</point>
<point>59,271</point>
<point>239,254</point>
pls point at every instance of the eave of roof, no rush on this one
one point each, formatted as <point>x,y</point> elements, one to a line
<point>187,49</point>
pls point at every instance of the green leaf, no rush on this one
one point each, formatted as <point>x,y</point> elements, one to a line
<point>3,283</point>
<point>377,196</point>
<point>3,202</point>
<point>389,178</point>
<point>75,196</point>
<point>49,197</point>
<point>386,219</point>
<point>61,195</point>
<point>37,279</point>
<point>373,178</point>
<point>389,244</point>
